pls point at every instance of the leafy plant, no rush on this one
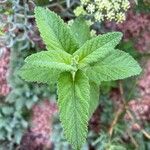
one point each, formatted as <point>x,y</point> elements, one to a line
<point>77,64</point>
<point>105,143</point>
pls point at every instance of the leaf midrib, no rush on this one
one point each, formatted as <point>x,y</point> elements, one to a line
<point>75,116</point>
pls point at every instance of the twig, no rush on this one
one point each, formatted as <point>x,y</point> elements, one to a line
<point>114,122</point>
<point>56,5</point>
<point>122,93</point>
<point>119,112</point>
<point>132,139</point>
<point>145,134</point>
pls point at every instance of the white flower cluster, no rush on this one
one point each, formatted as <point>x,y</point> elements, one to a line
<point>103,9</point>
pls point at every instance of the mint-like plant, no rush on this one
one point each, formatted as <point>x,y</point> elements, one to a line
<point>78,64</point>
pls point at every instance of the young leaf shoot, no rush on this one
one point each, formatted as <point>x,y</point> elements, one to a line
<point>78,64</point>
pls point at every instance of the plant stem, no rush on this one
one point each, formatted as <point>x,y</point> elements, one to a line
<point>119,112</point>
<point>114,122</point>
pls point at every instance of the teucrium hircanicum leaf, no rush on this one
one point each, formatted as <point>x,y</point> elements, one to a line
<point>46,66</point>
<point>94,98</point>
<point>55,33</point>
<point>80,30</point>
<point>73,101</point>
<point>97,47</point>
<point>116,65</point>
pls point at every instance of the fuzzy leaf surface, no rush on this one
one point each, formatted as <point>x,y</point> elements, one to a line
<point>73,102</point>
<point>97,47</point>
<point>55,33</point>
<point>44,57</point>
<point>116,65</point>
<point>33,73</point>
<point>94,98</point>
<point>80,30</point>
<point>45,66</point>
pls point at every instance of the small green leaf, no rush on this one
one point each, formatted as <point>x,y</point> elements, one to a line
<point>80,30</point>
<point>116,65</point>
<point>73,102</point>
<point>55,33</point>
<point>97,48</point>
<point>45,66</point>
<point>94,98</point>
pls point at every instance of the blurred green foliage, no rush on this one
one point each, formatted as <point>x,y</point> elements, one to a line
<point>42,2</point>
<point>143,6</point>
<point>15,109</point>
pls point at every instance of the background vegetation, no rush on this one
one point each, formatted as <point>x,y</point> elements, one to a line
<point>28,112</point>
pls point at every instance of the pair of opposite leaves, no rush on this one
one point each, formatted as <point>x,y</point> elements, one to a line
<point>77,63</point>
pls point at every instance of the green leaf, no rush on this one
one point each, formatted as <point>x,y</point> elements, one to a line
<point>94,98</point>
<point>80,30</point>
<point>45,66</point>
<point>116,65</point>
<point>97,47</point>
<point>73,102</point>
<point>55,33</point>
<point>45,57</point>
<point>38,74</point>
